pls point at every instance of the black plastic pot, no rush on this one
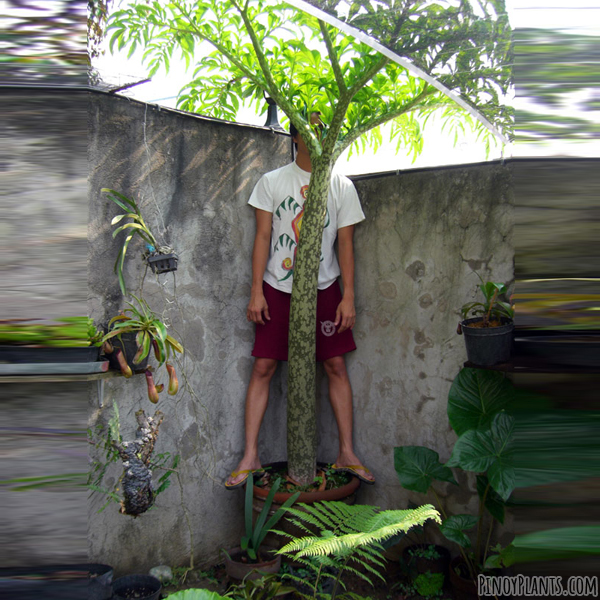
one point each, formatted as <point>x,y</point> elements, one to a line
<point>45,354</point>
<point>417,565</point>
<point>138,587</point>
<point>100,582</point>
<point>488,346</point>
<point>129,347</point>
<point>163,263</point>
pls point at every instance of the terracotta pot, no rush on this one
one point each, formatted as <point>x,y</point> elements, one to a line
<point>236,569</point>
<point>341,493</point>
<point>464,587</point>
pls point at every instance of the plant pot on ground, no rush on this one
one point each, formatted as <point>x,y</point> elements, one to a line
<point>138,587</point>
<point>249,560</point>
<point>489,331</point>
<point>423,558</point>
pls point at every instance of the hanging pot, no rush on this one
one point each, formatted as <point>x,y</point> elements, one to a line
<point>488,346</point>
<point>129,347</point>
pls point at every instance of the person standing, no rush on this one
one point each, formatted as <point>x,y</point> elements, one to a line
<point>278,199</point>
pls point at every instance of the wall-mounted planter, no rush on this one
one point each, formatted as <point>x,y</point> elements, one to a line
<point>487,346</point>
<point>129,347</point>
<point>163,263</point>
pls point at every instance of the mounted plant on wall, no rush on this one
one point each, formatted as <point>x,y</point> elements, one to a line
<point>144,327</point>
<point>161,259</point>
<point>139,492</point>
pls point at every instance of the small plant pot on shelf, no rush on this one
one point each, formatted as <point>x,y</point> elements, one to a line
<point>163,263</point>
<point>238,569</point>
<point>418,564</point>
<point>138,587</point>
<point>487,346</point>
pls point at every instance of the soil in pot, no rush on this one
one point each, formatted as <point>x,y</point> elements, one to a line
<point>137,587</point>
<point>238,567</point>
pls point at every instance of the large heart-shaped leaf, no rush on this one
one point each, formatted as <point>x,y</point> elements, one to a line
<point>490,450</point>
<point>493,502</point>
<point>475,397</point>
<point>417,466</point>
<point>454,527</point>
<point>550,544</point>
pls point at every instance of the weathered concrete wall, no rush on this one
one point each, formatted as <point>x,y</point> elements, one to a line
<point>43,274</point>
<point>425,231</point>
<point>192,178</point>
<point>43,232</point>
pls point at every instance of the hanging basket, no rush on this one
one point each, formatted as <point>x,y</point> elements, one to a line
<point>163,263</point>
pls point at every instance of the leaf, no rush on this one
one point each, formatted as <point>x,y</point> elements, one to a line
<point>475,397</point>
<point>551,544</point>
<point>454,527</point>
<point>197,594</point>
<point>417,466</point>
<point>490,450</point>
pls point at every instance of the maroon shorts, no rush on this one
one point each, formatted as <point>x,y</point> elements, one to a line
<point>271,340</point>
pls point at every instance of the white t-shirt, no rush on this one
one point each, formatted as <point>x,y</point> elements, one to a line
<point>282,193</point>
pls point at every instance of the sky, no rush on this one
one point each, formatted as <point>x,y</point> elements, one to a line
<point>580,16</point>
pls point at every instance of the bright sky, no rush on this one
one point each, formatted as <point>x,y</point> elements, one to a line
<point>581,16</point>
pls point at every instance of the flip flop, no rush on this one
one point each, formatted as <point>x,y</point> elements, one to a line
<point>245,472</point>
<point>353,470</point>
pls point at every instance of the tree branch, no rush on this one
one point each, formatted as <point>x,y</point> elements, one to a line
<point>368,75</point>
<point>309,137</point>
<point>335,65</point>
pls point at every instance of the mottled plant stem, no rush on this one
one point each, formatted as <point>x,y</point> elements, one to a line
<point>301,409</point>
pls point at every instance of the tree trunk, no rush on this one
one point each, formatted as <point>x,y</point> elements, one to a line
<point>301,406</point>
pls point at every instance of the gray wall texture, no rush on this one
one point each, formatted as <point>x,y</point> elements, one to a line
<point>43,274</point>
<point>425,232</point>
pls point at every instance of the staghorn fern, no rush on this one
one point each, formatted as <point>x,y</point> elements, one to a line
<point>348,536</point>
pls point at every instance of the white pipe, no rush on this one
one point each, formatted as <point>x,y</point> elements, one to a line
<point>369,41</point>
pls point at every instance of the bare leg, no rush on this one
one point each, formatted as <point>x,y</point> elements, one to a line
<point>340,396</point>
<point>257,398</point>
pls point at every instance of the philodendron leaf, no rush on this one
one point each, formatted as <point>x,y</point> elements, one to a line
<point>475,397</point>
<point>490,450</point>
<point>417,466</point>
<point>493,502</point>
<point>197,594</point>
<point>551,544</point>
<point>454,527</point>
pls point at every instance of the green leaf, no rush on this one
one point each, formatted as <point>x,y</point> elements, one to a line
<point>417,466</point>
<point>475,397</point>
<point>490,450</point>
<point>454,527</point>
<point>551,544</point>
<point>197,594</point>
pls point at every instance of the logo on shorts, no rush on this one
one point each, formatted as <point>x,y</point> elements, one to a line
<point>327,328</point>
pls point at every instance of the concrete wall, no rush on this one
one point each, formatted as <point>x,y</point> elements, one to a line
<point>425,231</point>
<point>43,274</point>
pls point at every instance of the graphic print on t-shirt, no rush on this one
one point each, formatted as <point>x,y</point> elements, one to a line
<point>286,240</point>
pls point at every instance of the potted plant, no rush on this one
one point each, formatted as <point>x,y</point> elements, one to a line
<point>138,587</point>
<point>160,258</point>
<point>247,561</point>
<point>476,411</point>
<point>66,340</point>
<point>426,558</point>
<point>347,538</point>
<point>488,326</point>
<point>137,329</point>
